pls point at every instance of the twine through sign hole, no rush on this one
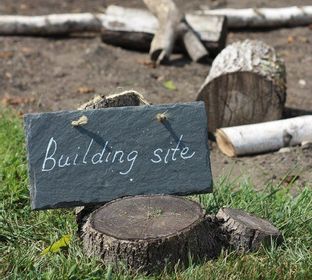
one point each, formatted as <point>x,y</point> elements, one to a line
<point>162,117</point>
<point>81,121</point>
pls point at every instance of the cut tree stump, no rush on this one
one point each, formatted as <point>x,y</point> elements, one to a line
<point>246,84</point>
<point>148,233</point>
<point>244,232</point>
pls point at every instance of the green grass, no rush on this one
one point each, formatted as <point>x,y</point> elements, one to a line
<point>25,233</point>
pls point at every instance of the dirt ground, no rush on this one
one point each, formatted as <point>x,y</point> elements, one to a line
<point>48,74</point>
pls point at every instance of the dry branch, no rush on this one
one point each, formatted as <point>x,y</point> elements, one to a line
<point>264,137</point>
<point>264,17</point>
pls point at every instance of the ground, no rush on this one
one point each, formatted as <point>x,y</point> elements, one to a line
<point>48,74</point>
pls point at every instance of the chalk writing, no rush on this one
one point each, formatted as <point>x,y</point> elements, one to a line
<point>53,159</point>
<point>183,153</point>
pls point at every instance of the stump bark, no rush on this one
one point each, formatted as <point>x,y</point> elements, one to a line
<point>149,233</point>
<point>246,84</point>
<point>244,232</point>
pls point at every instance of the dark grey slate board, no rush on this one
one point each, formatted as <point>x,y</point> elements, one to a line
<point>119,152</point>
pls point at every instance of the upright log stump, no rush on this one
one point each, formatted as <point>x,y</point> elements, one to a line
<point>246,84</point>
<point>150,232</point>
<point>244,232</point>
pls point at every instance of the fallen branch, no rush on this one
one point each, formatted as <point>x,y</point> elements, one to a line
<point>264,137</point>
<point>264,17</point>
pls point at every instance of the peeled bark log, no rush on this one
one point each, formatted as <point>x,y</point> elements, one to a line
<point>264,17</point>
<point>246,84</point>
<point>244,232</point>
<point>264,137</point>
<point>148,233</point>
<point>134,28</point>
<point>194,47</point>
<point>169,18</point>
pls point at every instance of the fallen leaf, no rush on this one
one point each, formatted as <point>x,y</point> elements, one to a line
<point>26,51</point>
<point>57,245</point>
<point>8,75</point>
<point>290,39</point>
<point>290,179</point>
<point>85,90</point>
<point>149,63</point>
<point>170,85</point>
<point>6,54</point>
<point>304,39</point>
<point>17,100</point>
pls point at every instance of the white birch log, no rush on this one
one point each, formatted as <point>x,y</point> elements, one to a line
<point>264,137</point>
<point>193,45</point>
<point>264,17</point>
<point>53,24</point>
<point>169,17</point>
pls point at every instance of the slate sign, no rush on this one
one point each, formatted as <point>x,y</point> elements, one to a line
<point>119,152</point>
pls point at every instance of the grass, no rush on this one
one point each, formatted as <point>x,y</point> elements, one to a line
<point>24,233</point>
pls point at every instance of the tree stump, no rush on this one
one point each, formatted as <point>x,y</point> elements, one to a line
<point>148,233</point>
<point>246,84</point>
<point>244,232</point>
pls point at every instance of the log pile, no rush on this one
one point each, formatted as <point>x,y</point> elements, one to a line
<point>199,35</point>
<point>135,29</point>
